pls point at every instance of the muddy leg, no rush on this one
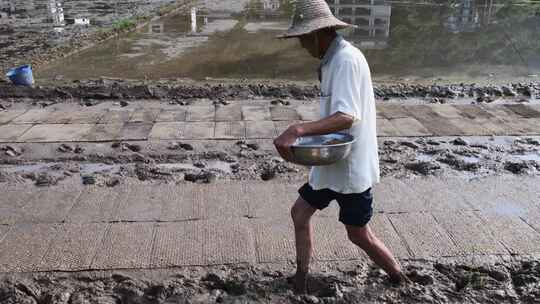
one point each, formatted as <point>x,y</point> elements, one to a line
<point>364,238</point>
<point>301,214</point>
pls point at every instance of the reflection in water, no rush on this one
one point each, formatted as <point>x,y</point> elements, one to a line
<point>156,28</point>
<point>7,7</point>
<point>271,5</point>
<point>471,15</point>
<point>469,40</point>
<point>372,18</point>
<point>194,20</point>
<point>41,14</point>
<point>57,15</point>
<point>262,9</point>
<point>33,12</point>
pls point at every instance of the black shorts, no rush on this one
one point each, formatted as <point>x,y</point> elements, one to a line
<point>354,209</point>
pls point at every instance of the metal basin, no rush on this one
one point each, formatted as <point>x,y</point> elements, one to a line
<point>318,150</point>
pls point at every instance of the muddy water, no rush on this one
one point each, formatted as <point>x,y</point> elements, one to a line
<point>94,168</point>
<point>49,14</point>
<point>31,29</point>
<point>230,39</point>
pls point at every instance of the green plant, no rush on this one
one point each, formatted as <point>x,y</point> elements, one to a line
<point>123,24</point>
<point>287,7</point>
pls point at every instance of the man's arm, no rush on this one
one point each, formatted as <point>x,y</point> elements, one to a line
<point>334,123</point>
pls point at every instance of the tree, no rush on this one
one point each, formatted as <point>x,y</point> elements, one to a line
<point>287,7</point>
<point>254,9</point>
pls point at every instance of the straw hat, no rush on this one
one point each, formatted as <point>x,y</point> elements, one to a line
<point>310,16</point>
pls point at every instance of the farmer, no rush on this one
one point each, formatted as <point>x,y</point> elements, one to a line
<point>347,105</point>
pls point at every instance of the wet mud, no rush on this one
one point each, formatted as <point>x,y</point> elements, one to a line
<point>336,282</point>
<point>176,92</point>
<point>110,164</point>
<point>32,34</point>
<point>181,92</point>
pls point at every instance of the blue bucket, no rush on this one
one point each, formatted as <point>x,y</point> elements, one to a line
<point>21,76</point>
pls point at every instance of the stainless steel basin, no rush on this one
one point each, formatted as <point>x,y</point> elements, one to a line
<point>314,150</point>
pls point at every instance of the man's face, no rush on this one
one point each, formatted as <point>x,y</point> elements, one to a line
<point>310,43</point>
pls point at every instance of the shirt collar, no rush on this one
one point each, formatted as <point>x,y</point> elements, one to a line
<point>335,46</point>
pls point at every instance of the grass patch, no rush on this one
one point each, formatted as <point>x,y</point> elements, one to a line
<point>124,24</point>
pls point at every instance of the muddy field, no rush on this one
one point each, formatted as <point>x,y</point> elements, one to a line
<point>207,162</point>
<point>28,30</point>
<point>230,41</point>
<point>488,279</point>
<point>498,279</point>
<point>185,91</point>
<point>343,282</point>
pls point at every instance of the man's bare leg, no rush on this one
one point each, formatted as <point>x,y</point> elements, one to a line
<point>364,238</point>
<point>301,214</point>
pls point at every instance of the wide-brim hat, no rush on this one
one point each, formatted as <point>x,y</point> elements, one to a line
<point>310,16</point>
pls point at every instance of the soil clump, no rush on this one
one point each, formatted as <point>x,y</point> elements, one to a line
<point>341,282</point>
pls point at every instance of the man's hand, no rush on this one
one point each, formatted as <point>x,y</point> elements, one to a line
<point>334,123</point>
<point>284,142</point>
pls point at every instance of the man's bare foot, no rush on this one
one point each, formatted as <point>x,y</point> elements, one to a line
<point>400,279</point>
<point>300,282</point>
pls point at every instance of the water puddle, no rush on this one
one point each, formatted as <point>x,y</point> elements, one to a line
<point>470,159</point>
<point>94,168</point>
<point>48,15</point>
<point>217,165</point>
<point>527,157</point>
<point>33,168</point>
<point>220,165</point>
<point>424,158</point>
<point>507,209</point>
<point>98,168</point>
<point>236,39</point>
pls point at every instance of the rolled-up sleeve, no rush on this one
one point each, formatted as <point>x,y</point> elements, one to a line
<point>345,93</point>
